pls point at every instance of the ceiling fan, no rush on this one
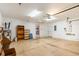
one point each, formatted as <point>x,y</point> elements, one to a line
<point>49,17</point>
<point>20,4</point>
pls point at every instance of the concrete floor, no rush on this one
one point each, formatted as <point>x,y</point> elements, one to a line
<point>46,47</point>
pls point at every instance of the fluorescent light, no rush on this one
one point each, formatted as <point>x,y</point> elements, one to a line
<point>34,13</point>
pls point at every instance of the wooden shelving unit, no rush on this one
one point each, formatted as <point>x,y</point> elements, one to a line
<point>20,32</point>
<point>27,34</point>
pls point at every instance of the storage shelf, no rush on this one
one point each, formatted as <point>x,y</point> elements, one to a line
<point>27,34</point>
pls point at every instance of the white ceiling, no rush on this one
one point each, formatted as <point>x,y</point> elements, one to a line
<point>13,9</point>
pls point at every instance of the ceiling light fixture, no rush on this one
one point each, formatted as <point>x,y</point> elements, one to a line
<point>50,18</point>
<point>34,13</point>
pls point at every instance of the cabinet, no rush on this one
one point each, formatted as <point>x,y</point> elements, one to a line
<point>20,32</point>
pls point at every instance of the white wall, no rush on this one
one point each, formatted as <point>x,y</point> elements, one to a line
<point>46,29</point>
<point>14,22</point>
<point>0,20</point>
<point>43,30</point>
<point>28,25</point>
<point>60,33</point>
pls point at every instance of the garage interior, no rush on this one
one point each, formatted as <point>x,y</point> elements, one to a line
<point>39,29</point>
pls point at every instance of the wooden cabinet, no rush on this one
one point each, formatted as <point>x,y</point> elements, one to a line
<point>20,32</point>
